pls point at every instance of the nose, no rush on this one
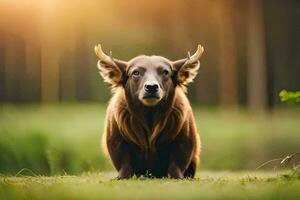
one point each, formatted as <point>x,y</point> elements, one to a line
<point>151,87</point>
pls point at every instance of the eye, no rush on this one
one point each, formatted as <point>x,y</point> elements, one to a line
<point>166,72</point>
<point>136,73</point>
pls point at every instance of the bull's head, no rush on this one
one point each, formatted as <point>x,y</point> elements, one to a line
<point>148,79</point>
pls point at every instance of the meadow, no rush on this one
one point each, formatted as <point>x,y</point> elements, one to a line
<point>53,152</point>
<point>207,185</point>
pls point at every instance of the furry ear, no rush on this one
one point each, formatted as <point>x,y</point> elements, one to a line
<point>187,69</point>
<point>112,70</point>
<point>112,73</point>
<point>186,72</point>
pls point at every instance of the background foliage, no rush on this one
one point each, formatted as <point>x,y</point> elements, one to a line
<point>52,99</point>
<point>251,46</point>
<point>59,139</point>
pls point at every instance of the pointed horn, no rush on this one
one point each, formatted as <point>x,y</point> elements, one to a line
<point>189,55</point>
<point>102,56</point>
<point>196,55</point>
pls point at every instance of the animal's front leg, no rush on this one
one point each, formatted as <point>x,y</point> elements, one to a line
<point>180,156</point>
<point>174,170</point>
<point>125,171</point>
<point>120,156</point>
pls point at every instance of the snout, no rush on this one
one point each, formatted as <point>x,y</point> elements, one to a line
<point>151,88</point>
<point>151,94</point>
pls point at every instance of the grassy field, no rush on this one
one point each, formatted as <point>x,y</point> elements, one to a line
<point>65,138</point>
<point>53,152</point>
<point>207,185</point>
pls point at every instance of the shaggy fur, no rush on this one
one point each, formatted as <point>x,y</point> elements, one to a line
<point>160,140</point>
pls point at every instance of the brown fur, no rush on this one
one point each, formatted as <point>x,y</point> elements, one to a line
<point>176,126</point>
<point>160,140</point>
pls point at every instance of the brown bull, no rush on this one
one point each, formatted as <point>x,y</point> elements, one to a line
<point>149,127</point>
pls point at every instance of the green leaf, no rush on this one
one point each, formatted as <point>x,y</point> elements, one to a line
<point>290,97</point>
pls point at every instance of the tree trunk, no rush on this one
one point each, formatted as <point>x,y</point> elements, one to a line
<point>228,72</point>
<point>2,67</point>
<point>50,53</point>
<point>256,71</point>
<point>14,66</point>
<point>32,71</point>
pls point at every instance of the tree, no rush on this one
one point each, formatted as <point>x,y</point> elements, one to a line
<point>228,81</point>
<point>256,71</point>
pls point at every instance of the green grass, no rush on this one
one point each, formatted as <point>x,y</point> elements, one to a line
<point>65,138</point>
<point>207,185</point>
<point>53,152</point>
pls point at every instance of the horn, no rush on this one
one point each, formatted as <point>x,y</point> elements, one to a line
<point>102,56</point>
<point>196,56</point>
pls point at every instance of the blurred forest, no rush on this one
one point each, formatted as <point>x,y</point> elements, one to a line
<point>252,46</point>
<point>252,52</point>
